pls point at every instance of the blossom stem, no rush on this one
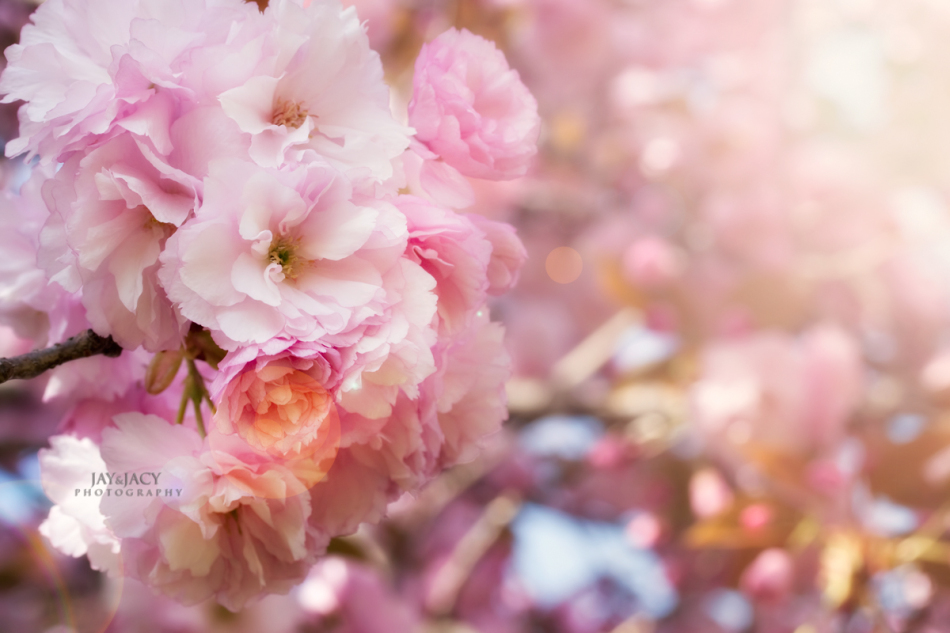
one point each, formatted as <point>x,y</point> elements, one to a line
<point>207,397</point>
<point>199,382</point>
<point>199,419</point>
<point>185,398</point>
<point>198,394</point>
<point>34,363</point>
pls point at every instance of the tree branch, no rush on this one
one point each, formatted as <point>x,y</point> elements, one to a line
<point>35,363</point>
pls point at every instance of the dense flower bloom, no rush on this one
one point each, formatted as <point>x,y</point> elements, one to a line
<point>115,207</point>
<point>220,189</point>
<point>83,84</point>
<point>471,109</point>
<point>322,92</point>
<point>393,349</point>
<point>459,406</point>
<point>233,527</point>
<point>42,311</point>
<point>280,252</point>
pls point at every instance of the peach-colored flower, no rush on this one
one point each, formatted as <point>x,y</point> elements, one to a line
<point>281,408</point>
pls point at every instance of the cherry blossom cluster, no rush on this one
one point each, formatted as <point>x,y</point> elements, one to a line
<point>227,193</point>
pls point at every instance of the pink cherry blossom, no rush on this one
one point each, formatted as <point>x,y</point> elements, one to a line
<point>471,109</point>
<point>395,348</point>
<point>322,94</point>
<point>356,490</point>
<point>45,312</point>
<point>451,249</point>
<point>378,16</point>
<point>237,530</point>
<point>288,252</point>
<point>430,177</point>
<point>115,208</point>
<point>92,413</point>
<point>402,431</point>
<point>469,389</point>
<point>508,254</point>
<point>84,84</point>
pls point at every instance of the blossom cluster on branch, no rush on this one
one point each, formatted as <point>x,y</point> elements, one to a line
<point>227,193</point>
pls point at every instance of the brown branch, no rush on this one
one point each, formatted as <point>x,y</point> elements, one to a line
<point>36,362</point>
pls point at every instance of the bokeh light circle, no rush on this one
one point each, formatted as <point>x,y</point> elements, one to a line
<point>564,265</point>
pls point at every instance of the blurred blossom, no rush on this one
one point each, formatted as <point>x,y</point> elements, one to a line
<point>780,391</point>
<point>644,530</point>
<point>709,494</point>
<point>769,576</point>
<point>755,517</point>
<point>356,597</point>
<point>935,376</point>
<point>651,262</point>
<point>764,185</point>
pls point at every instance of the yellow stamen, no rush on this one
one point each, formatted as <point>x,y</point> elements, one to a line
<point>283,252</point>
<point>290,114</point>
